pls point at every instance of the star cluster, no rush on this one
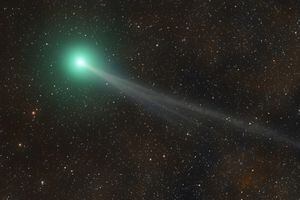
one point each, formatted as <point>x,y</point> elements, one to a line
<point>61,138</point>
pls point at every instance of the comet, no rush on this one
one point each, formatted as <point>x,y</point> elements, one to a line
<point>170,105</point>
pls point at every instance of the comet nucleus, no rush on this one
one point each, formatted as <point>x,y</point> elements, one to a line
<point>78,58</point>
<point>80,62</point>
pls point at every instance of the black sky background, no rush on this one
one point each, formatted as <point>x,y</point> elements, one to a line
<point>64,139</point>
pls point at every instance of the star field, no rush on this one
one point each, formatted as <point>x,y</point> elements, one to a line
<point>64,137</point>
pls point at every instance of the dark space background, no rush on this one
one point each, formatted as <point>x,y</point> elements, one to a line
<point>60,139</point>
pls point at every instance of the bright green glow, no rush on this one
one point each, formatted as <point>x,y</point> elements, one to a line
<point>80,62</point>
<point>77,59</point>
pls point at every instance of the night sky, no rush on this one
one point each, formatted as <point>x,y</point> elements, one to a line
<point>71,138</point>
